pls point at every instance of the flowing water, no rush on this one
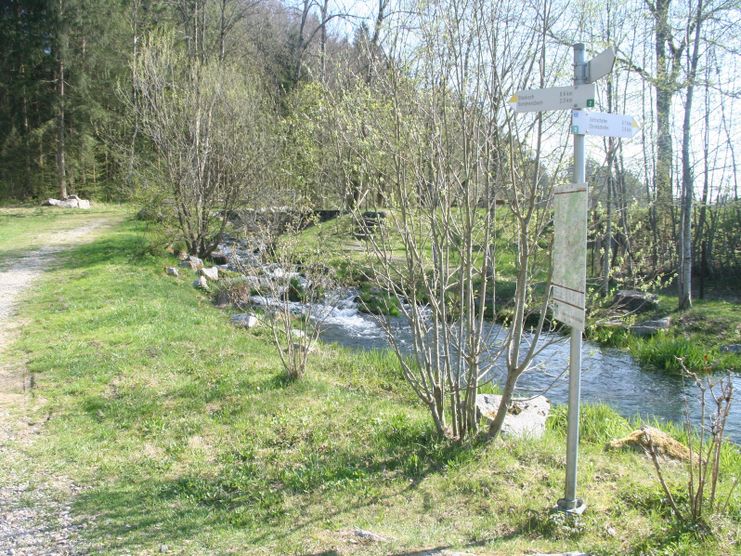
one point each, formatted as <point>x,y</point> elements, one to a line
<point>609,375</point>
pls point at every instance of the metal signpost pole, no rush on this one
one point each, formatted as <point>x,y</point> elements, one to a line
<point>570,503</point>
<point>569,257</point>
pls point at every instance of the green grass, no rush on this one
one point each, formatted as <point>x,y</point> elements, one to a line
<point>183,432</point>
<point>24,229</point>
<point>697,335</point>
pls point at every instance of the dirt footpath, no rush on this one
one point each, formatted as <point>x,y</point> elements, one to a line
<point>35,516</point>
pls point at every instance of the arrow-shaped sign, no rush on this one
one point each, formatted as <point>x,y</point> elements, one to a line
<point>605,125</point>
<point>555,98</point>
<point>600,65</point>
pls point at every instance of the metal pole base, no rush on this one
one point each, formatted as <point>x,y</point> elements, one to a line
<point>571,507</point>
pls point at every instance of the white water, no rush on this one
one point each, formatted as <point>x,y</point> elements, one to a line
<point>609,375</point>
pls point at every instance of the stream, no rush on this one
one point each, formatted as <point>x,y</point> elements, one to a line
<point>609,375</point>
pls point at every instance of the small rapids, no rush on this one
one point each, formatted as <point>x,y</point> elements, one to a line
<point>610,376</point>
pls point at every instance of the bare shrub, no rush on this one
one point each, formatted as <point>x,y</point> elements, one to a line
<point>207,123</point>
<point>291,286</point>
<point>706,444</point>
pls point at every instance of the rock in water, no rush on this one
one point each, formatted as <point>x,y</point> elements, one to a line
<point>651,327</point>
<point>633,300</point>
<point>524,417</point>
<point>201,283</point>
<point>172,271</point>
<point>210,273</point>
<point>244,320</point>
<point>664,444</point>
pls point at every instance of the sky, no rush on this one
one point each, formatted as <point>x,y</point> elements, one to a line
<point>586,21</point>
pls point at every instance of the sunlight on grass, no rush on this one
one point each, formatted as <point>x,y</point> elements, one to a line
<point>183,432</point>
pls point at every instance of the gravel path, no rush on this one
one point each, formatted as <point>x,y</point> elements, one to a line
<point>35,515</point>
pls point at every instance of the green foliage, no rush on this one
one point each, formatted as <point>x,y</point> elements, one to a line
<point>662,353</point>
<point>598,423</point>
<point>378,302</point>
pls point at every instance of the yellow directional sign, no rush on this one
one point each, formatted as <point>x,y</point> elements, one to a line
<point>554,98</point>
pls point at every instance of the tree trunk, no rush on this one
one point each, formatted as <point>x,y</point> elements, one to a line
<point>685,236</point>
<point>60,154</point>
<point>664,94</point>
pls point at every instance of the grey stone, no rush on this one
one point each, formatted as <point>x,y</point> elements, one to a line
<point>201,283</point>
<point>210,273</point>
<point>526,417</point>
<point>219,258</point>
<point>193,263</point>
<point>360,535</point>
<point>651,327</point>
<point>71,201</point>
<point>636,301</point>
<point>244,320</point>
<point>731,348</point>
<point>172,271</point>
<point>301,348</point>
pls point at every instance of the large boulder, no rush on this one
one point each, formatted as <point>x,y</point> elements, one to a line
<point>210,273</point>
<point>219,257</point>
<point>201,283</point>
<point>525,417</point>
<point>651,327</point>
<point>71,201</point>
<point>635,301</point>
<point>192,262</point>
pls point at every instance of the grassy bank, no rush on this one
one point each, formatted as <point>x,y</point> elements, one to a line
<point>697,335</point>
<point>183,433</point>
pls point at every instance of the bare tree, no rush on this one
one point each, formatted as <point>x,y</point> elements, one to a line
<point>293,288</point>
<point>209,125</point>
<point>448,153</point>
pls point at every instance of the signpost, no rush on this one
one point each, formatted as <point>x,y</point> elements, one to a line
<point>605,125</point>
<point>570,255</point>
<point>601,65</point>
<point>570,244</point>
<point>555,98</point>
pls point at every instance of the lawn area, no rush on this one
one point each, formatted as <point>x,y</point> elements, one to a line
<point>23,229</point>
<point>183,432</point>
<point>697,335</point>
